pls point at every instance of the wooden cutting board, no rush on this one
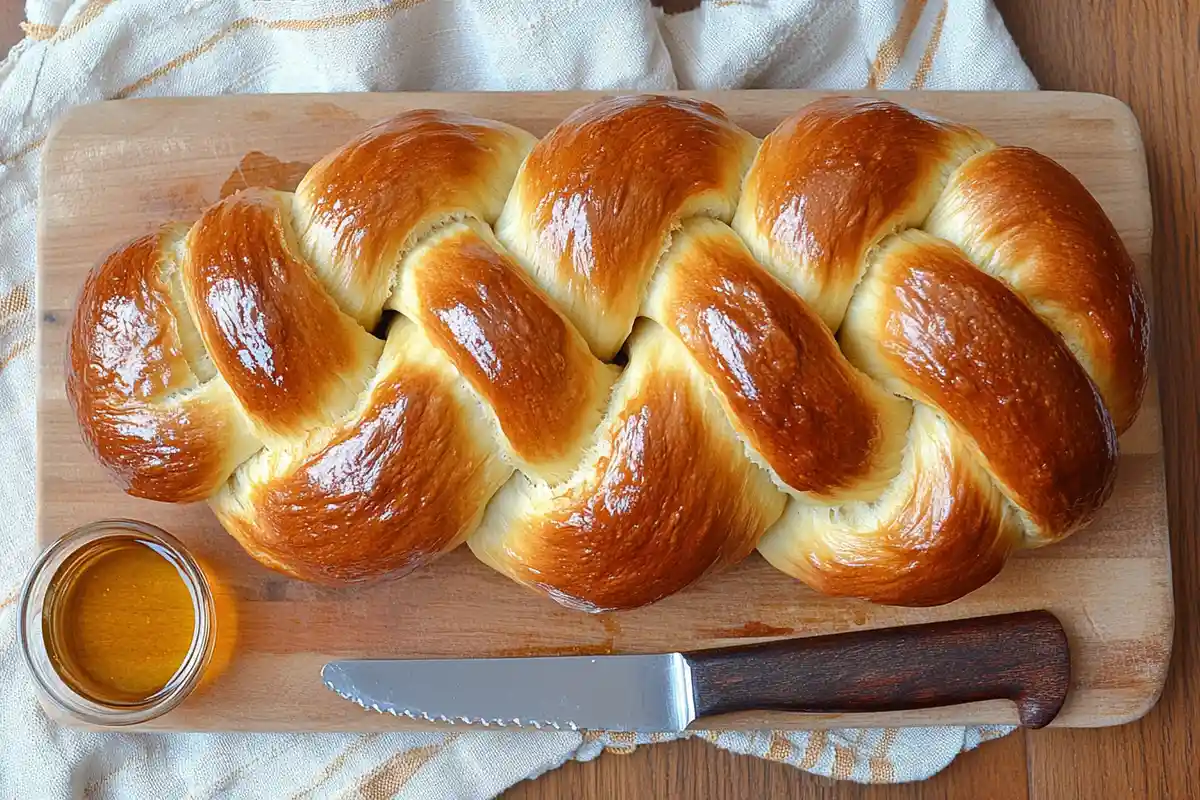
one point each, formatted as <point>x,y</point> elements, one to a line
<point>115,170</point>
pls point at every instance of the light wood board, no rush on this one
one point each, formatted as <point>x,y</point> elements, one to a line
<point>115,170</point>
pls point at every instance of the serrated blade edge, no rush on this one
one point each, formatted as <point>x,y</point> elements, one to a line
<point>649,693</point>
<point>387,708</point>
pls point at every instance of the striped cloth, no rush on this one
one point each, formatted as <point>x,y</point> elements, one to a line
<point>78,51</point>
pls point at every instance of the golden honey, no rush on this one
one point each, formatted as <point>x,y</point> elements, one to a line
<point>116,622</point>
<point>121,620</point>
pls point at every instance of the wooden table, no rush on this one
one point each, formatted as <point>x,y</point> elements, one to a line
<point>1146,52</point>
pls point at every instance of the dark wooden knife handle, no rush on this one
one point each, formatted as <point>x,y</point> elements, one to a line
<point>1021,657</point>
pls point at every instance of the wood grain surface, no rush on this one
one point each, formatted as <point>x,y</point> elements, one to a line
<point>1147,53</point>
<point>113,171</point>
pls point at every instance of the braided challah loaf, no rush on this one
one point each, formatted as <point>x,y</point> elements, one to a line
<point>417,348</point>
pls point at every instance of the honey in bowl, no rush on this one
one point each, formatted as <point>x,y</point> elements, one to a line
<point>116,623</point>
<point>120,621</point>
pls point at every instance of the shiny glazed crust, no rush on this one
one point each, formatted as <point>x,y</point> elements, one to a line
<point>877,346</point>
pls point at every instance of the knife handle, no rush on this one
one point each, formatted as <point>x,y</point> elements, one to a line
<point>1021,657</point>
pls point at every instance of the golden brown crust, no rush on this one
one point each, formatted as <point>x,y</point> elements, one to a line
<point>940,532</point>
<point>402,481</point>
<point>822,426</point>
<point>292,358</point>
<point>598,196</point>
<point>670,497</point>
<point>367,200</point>
<point>833,179</point>
<point>530,366</point>
<point>141,408</point>
<point>188,355</point>
<point>930,325</point>
<point>1029,222</point>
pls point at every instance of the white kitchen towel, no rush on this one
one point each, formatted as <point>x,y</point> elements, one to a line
<point>80,51</point>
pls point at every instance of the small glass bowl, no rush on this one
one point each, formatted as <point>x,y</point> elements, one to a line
<point>36,600</point>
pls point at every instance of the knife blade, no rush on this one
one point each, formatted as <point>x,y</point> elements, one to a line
<point>1022,657</point>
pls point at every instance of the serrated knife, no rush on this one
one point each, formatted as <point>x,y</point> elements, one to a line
<point>1021,657</point>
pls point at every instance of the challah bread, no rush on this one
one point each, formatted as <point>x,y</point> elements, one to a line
<point>878,347</point>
